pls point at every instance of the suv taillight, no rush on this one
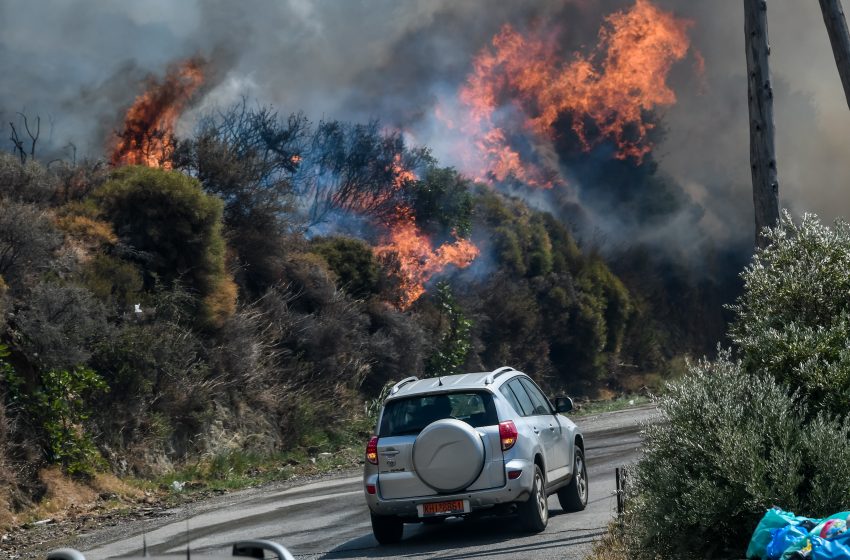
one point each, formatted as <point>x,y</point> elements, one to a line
<point>372,450</point>
<point>508,434</point>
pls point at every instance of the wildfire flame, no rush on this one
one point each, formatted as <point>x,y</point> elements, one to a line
<point>604,95</point>
<point>148,130</point>
<point>418,261</point>
<point>405,244</point>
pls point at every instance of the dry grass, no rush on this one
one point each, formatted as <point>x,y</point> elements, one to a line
<point>612,546</point>
<point>63,494</point>
<point>7,519</point>
<point>65,497</point>
<point>108,483</point>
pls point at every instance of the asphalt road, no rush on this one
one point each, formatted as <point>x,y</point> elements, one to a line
<point>329,519</point>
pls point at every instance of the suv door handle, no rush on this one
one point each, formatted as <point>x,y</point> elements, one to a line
<point>536,431</point>
<point>552,427</point>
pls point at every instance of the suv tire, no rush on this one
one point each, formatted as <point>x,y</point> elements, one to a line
<point>387,528</point>
<point>534,512</point>
<point>573,497</point>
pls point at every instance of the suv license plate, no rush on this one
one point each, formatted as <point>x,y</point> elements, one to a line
<point>443,508</point>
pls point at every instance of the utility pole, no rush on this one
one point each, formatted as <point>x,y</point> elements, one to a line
<point>836,26</point>
<point>762,148</point>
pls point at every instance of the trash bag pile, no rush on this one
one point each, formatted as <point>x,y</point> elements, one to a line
<point>781,535</point>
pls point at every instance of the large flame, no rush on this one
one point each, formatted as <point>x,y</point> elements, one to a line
<point>147,136</point>
<point>412,251</point>
<point>418,261</point>
<point>604,95</point>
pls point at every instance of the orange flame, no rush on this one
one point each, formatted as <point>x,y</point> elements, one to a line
<point>148,132</point>
<point>604,95</point>
<point>405,244</point>
<point>417,259</point>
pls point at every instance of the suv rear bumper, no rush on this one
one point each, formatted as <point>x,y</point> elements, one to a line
<point>516,490</point>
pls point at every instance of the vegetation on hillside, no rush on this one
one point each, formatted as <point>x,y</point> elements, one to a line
<point>234,304</point>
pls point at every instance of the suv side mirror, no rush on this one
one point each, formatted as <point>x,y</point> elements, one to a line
<point>563,404</point>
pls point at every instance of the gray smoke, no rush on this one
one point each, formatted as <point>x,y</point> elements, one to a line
<point>79,65</point>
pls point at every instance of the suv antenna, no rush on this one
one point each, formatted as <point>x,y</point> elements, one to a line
<point>440,382</point>
<point>144,545</point>
<point>188,554</point>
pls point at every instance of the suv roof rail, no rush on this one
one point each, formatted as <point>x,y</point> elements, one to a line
<point>397,387</point>
<point>496,373</point>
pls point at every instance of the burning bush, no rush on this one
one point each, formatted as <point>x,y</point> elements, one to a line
<point>148,134</point>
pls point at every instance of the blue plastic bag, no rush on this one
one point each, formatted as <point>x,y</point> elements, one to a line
<point>837,548</point>
<point>784,538</point>
<point>774,518</point>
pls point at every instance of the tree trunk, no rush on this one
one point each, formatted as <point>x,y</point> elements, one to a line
<point>762,149</point>
<point>836,26</point>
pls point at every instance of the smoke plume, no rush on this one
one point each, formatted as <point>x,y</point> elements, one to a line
<point>81,67</point>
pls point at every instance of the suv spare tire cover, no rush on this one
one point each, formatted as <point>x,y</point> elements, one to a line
<point>448,455</point>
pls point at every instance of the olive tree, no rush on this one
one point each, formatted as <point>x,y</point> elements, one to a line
<point>793,319</point>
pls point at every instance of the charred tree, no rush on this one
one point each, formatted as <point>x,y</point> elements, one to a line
<point>836,26</point>
<point>20,149</point>
<point>762,148</point>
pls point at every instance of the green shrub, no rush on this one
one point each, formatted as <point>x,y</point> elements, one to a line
<point>27,182</point>
<point>28,240</point>
<point>730,444</point>
<point>793,319</point>
<point>176,230</point>
<point>353,263</point>
<point>60,405</point>
<point>115,282</point>
<point>442,202</point>
<point>454,345</point>
<point>58,326</point>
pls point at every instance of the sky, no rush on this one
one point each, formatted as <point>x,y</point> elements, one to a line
<point>80,64</point>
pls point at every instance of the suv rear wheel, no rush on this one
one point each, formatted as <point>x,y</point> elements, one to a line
<point>573,497</point>
<point>534,513</point>
<point>387,528</point>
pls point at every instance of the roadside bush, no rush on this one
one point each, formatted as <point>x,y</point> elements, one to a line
<point>61,404</point>
<point>397,346</point>
<point>161,387</point>
<point>793,319</point>
<point>730,444</point>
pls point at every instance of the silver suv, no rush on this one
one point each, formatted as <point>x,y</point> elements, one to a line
<point>458,445</point>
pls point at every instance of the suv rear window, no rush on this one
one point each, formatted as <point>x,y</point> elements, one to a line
<point>410,415</point>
